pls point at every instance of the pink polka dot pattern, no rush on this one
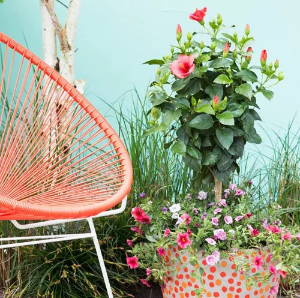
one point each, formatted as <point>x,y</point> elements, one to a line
<point>221,280</point>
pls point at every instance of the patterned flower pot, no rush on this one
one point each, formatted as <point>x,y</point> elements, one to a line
<point>221,280</point>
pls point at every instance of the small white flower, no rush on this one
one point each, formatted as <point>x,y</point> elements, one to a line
<point>179,220</point>
<point>175,215</point>
<point>202,195</point>
<point>175,208</point>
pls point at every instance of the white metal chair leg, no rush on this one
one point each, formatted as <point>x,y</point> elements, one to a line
<point>100,257</point>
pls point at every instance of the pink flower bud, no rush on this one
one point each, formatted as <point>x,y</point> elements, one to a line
<point>263,57</point>
<point>247,29</point>
<point>216,99</point>
<point>250,51</point>
<point>226,49</point>
<point>178,32</point>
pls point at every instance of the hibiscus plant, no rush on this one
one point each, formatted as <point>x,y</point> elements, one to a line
<point>204,98</point>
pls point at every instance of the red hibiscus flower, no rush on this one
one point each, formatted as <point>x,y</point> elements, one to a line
<point>183,66</point>
<point>198,14</point>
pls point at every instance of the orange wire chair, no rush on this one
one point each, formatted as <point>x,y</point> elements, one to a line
<point>60,160</point>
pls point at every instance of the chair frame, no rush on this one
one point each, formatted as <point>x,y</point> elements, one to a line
<point>34,240</point>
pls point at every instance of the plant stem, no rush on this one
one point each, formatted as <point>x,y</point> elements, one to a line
<point>218,189</point>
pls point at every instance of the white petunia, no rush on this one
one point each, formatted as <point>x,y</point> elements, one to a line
<point>175,208</point>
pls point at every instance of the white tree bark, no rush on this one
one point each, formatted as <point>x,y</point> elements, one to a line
<point>48,35</point>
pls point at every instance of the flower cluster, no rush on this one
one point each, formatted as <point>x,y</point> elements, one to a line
<point>196,223</point>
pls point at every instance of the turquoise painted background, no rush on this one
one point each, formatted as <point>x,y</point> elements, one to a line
<point>116,37</point>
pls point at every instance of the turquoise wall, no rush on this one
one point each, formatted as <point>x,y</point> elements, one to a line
<point>116,37</point>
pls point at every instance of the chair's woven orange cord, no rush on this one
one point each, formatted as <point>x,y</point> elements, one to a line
<point>59,158</point>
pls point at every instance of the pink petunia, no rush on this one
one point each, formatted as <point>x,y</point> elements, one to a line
<point>217,210</point>
<point>132,262</point>
<point>240,192</point>
<point>232,186</point>
<point>286,236</point>
<point>273,229</point>
<point>140,215</point>
<point>239,218</point>
<point>282,273</point>
<point>213,259</point>
<point>274,290</point>
<point>298,236</point>
<point>272,270</point>
<point>145,282</point>
<point>167,232</point>
<point>222,203</point>
<point>161,251</point>
<point>183,240</point>
<point>228,219</point>
<point>148,271</point>
<point>258,262</point>
<point>137,230</point>
<point>186,218</point>
<point>183,66</point>
<point>129,242</point>
<point>220,234</point>
<point>215,221</point>
<point>210,241</point>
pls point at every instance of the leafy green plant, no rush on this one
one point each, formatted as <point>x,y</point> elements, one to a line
<point>204,98</point>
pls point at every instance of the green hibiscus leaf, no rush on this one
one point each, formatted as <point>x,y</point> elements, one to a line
<point>226,118</point>
<point>236,109</point>
<point>214,90</point>
<point>211,157</point>
<point>154,62</point>
<point>157,96</point>
<point>247,75</point>
<point>237,147</point>
<point>267,93</point>
<point>193,152</point>
<point>179,147</point>
<point>245,90</point>
<point>169,116</point>
<point>222,79</point>
<point>225,137</point>
<point>220,62</point>
<point>203,121</point>
<point>204,108</point>
<point>180,84</point>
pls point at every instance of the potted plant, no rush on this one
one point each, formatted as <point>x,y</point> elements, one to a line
<point>204,101</point>
<point>198,247</point>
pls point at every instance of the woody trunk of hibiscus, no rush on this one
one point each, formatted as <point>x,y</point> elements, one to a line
<point>218,189</point>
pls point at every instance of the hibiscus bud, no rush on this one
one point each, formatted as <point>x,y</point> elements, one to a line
<point>263,57</point>
<point>189,36</point>
<point>213,45</point>
<point>276,63</point>
<point>226,49</point>
<point>219,19</point>
<point>250,51</point>
<point>178,32</point>
<point>216,100</point>
<point>247,29</point>
<point>202,45</point>
<point>280,76</point>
